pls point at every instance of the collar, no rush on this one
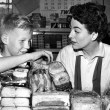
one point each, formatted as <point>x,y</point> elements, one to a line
<point>100,52</point>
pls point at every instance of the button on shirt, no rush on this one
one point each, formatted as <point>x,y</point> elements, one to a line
<point>68,58</point>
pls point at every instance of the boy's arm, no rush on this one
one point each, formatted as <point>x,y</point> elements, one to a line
<point>13,61</point>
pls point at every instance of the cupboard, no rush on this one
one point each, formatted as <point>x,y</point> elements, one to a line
<point>52,39</point>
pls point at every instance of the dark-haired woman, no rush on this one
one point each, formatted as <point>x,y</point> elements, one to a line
<point>87,59</point>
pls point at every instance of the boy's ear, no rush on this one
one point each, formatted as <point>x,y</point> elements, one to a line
<point>94,36</point>
<point>4,38</point>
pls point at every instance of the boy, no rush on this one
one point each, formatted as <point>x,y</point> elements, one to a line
<point>16,33</point>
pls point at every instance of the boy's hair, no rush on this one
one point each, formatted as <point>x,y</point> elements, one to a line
<point>93,17</point>
<point>11,21</point>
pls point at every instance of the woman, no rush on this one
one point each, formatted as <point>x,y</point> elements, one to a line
<point>87,59</point>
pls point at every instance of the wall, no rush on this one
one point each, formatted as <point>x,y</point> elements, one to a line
<point>105,2</point>
<point>107,10</point>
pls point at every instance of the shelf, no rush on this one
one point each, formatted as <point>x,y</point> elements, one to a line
<point>51,30</point>
<point>52,50</point>
<point>54,39</point>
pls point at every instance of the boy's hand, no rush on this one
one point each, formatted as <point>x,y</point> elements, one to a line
<point>44,53</point>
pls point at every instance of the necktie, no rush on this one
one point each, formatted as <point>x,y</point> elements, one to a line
<point>96,77</point>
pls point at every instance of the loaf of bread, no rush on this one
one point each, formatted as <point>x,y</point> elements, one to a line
<point>7,102</point>
<point>60,76</point>
<point>40,81</point>
<point>8,91</point>
<point>50,99</point>
<point>14,77</point>
<point>13,91</point>
<point>84,100</point>
<point>20,73</point>
<point>22,102</point>
<point>52,108</point>
<point>22,92</point>
<point>13,102</point>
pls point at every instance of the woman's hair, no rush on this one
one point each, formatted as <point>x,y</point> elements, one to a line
<point>11,21</point>
<point>93,17</point>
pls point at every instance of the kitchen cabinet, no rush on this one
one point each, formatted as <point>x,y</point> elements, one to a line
<point>52,39</point>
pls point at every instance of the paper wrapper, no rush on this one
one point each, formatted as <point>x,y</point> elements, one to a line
<point>8,79</point>
<point>40,81</point>
<point>60,77</point>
